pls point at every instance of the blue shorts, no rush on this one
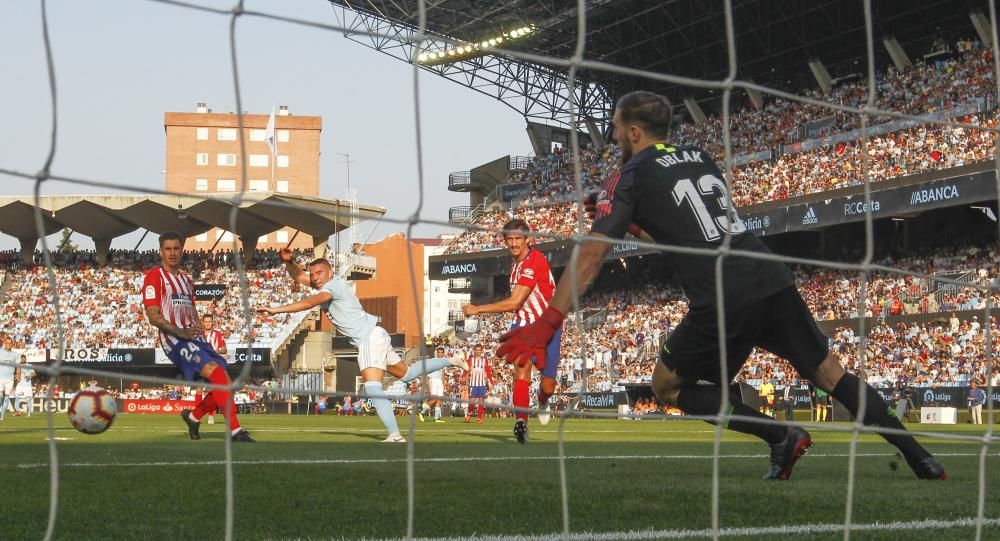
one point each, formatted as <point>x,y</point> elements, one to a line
<point>190,356</point>
<point>477,392</point>
<point>551,353</point>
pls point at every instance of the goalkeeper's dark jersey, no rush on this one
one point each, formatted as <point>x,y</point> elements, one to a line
<point>678,195</point>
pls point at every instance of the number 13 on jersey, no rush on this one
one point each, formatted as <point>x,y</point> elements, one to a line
<point>711,226</point>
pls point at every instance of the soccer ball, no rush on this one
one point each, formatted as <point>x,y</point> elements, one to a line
<point>92,410</point>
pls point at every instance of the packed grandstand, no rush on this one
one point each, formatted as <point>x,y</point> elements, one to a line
<point>626,321</point>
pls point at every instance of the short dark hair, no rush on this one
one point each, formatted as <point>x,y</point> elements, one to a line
<point>516,224</point>
<point>320,261</point>
<point>171,235</point>
<point>650,111</point>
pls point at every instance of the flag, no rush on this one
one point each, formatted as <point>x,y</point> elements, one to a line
<point>272,143</point>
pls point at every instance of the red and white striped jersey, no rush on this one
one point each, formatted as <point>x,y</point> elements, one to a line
<point>479,371</point>
<point>174,294</point>
<point>533,272</point>
<point>215,338</point>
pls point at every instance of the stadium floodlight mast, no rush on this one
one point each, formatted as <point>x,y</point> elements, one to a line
<point>463,51</point>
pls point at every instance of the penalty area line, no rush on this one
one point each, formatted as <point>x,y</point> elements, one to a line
<point>642,535</point>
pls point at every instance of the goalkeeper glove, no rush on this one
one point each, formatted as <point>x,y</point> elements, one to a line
<point>520,345</point>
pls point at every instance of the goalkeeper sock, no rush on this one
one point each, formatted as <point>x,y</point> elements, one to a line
<point>705,400</point>
<point>207,405</point>
<point>222,397</point>
<point>373,390</point>
<point>437,412</point>
<point>521,398</point>
<point>416,369</point>
<point>877,414</point>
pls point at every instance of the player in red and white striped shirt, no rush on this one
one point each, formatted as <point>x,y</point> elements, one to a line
<point>213,336</point>
<point>531,288</point>
<point>479,378</point>
<point>168,295</point>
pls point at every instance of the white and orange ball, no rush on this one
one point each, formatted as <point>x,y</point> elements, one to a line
<point>92,410</point>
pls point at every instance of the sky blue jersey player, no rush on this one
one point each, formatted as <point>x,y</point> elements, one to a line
<point>375,353</point>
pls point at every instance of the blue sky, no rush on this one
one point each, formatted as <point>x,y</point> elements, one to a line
<point>120,64</point>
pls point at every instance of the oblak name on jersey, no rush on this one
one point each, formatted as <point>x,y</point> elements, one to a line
<point>678,195</point>
<point>674,158</point>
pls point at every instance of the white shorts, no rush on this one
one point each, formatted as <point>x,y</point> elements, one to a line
<point>377,352</point>
<point>437,387</point>
<point>24,391</point>
<point>7,387</point>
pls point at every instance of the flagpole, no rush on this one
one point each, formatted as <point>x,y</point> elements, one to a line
<point>274,148</point>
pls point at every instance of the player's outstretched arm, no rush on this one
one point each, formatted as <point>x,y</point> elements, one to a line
<point>293,268</point>
<point>588,265</point>
<point>304,304</point>
<point>510,304</point>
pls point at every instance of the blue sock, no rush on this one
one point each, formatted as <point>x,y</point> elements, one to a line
<point>417,369</point>
<point>3,408</point>
<point>373,390</point>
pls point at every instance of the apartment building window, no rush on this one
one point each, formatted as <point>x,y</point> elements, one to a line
<point>201,134</point>
<point>262,239</point>
<point>226,134</point>
<point>201,184</point>
<point>257,135</point>
<point>201,158</point>
<point>258,186</point>
<point>226,159</point>
<point>282,160</point>
<point>281,186</point>
<point>224,236</point>
<point>283,136</point>
<point>225,185</point>
<point>259,160</point>
<point>281,236</point>
<point>203,237</point>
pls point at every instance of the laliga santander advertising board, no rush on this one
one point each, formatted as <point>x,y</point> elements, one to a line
<point>171,407</point>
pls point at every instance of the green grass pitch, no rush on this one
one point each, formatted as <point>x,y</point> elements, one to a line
<point>330,478</point>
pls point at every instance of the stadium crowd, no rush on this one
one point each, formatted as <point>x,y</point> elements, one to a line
<point>624,327</point>
<point>102,307</point>
<point>926,87</point>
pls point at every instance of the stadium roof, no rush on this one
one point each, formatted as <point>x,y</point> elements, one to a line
<point>104,217</point>
<point>774,40</point>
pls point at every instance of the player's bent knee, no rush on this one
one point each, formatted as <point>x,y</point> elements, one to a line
<point>828,373</point>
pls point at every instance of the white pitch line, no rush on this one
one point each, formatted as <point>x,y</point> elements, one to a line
<point>35,465</point>
<point>642,535</point>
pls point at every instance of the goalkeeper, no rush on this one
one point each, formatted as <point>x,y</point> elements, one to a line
<point>675,195</point>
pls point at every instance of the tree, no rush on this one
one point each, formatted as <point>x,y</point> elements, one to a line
<point>66,245</point>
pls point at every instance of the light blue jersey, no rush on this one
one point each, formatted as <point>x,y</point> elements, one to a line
<point>346,312</point>
<point>8,360</point>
